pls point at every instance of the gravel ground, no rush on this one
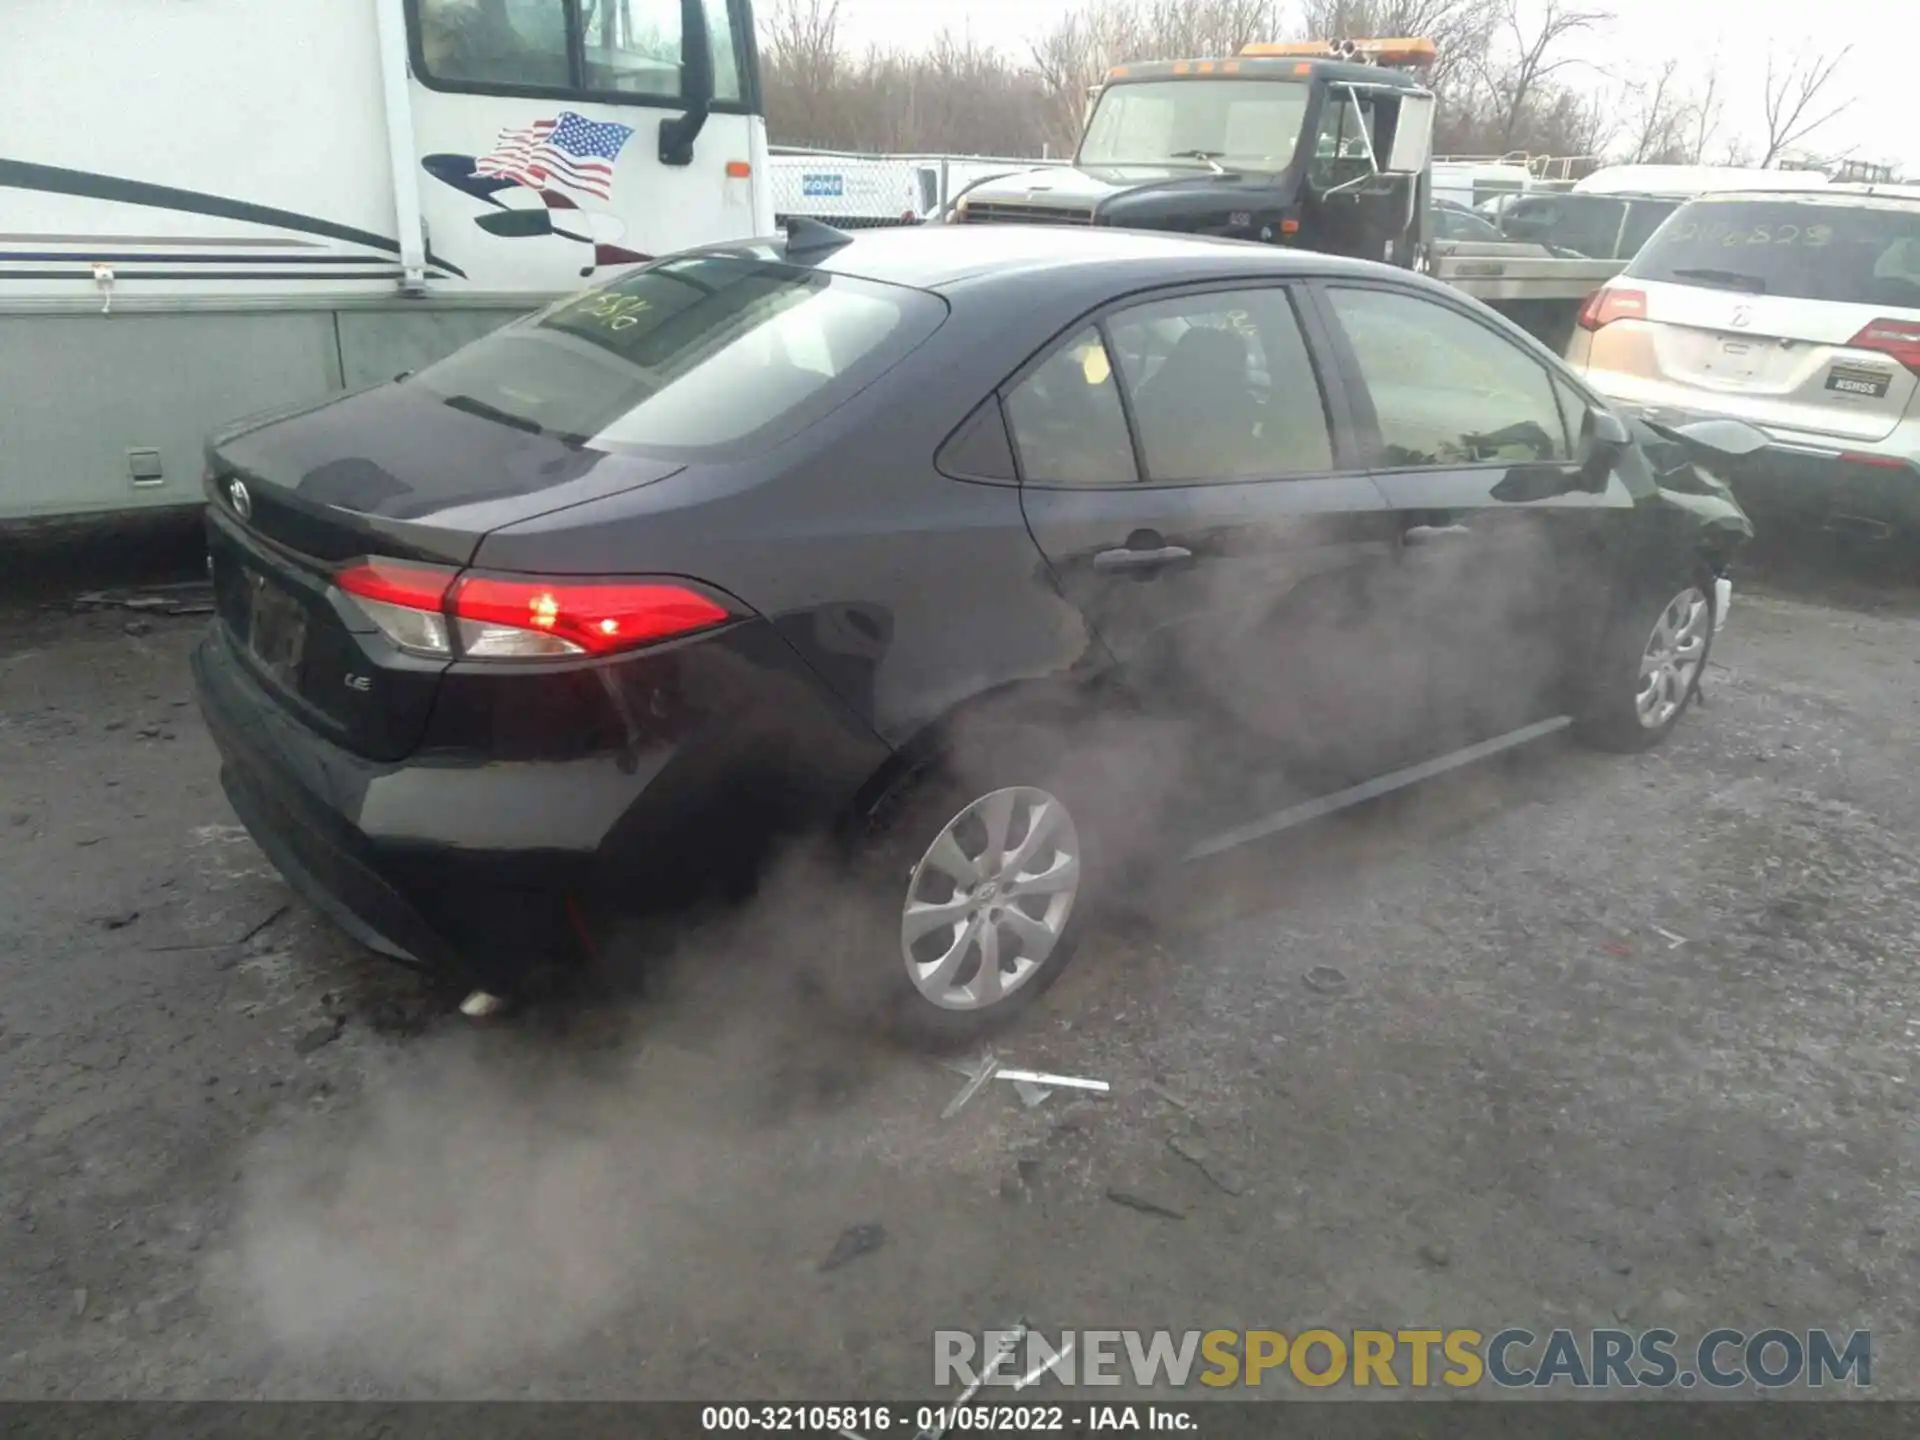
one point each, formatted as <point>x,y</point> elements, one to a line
<point>1572,1040</point>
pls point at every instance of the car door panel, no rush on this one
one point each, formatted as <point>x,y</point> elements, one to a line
<point>1237,604</point>
<point>1503,514</point>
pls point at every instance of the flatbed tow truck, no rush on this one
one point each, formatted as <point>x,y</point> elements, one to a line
<point>1323,145</point>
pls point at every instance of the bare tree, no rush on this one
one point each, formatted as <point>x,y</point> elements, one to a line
<point>1795,100</point>
<point>1535,40</point>
<point>1656,117</point>
<point>1704,114</point>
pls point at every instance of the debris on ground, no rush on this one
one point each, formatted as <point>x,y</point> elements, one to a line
<point>1196,1154</point>
<point>1167,1095</point>
<point>1055,1082</point>
<point>1438,1256</point>
<point>1674,942</point>
<point>1325,980</point>
<point>854,1241</point>
<point>1031,1094</point>
<point>1615,947</point>
<point>1033,1086</point>
<point>1145,1206</point>
<point>120,919</point>
<point>320,1035</point>
<point>977,1077</point>
<point>191,597</point>
<point>481,1004</point>
<point>272,916</point>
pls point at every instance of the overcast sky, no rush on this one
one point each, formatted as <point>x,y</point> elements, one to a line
<point>1883,121</point>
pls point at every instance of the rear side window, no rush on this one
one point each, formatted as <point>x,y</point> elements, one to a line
<point>1222,387</point>
<point>1806,250</point>
<point>701,356</point>
<point>1448,390</point>
<point>1068,424</point>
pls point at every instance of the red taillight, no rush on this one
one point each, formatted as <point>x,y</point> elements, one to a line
<point>397,582</point>
<point>424,609</point>
<point>510,616</point>
<point>1606,305</point>
<point>1898,339</point>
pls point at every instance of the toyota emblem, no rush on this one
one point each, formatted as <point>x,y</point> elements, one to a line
<point>241,500</point>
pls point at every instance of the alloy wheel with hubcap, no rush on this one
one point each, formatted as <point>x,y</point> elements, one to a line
<point>1670,663</point>
<point>989,900</point>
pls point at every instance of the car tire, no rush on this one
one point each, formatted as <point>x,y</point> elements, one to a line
<point>934,897</point>
<point>1648,668</point>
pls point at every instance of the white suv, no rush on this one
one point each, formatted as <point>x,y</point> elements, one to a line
<point>1796,312</point>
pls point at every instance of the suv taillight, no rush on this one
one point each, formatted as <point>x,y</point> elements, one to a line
<point>1607,305</point>
<point>1898,339</point>
<point>425,609</point>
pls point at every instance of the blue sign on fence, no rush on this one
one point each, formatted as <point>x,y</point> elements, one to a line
<point>830,186</point>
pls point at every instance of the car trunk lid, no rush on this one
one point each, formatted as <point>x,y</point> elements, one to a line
<point>392,473</point>
<point>1789,363</point>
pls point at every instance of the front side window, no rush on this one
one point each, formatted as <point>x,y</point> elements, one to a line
<point>695,357</point>
<point>1237,124</point>
<point>1800,248</point>
<point>1222,387</point>
<point>627,47</point>
<point>1448,390</point>
<point>1069,427</point>
<point>1340,149</point>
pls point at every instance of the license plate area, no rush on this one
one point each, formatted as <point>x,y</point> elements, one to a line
<point>1867,382</point>
<point>276,629</point>
<point>1736,360</point>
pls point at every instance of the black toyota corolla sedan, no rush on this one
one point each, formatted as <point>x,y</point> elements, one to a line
<point>1009,559</point>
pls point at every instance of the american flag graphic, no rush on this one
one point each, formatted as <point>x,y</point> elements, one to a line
<point>569,150</point>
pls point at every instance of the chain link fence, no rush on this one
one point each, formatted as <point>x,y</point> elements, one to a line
<point>852,190</point>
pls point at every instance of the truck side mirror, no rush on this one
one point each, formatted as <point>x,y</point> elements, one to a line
<point>1412,145</point>
<point>678,132</point>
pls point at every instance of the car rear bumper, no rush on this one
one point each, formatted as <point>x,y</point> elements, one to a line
<point>484,869</point>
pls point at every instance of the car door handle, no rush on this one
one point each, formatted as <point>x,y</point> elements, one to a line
<point>1433,534</point>
<point>1128,559</point>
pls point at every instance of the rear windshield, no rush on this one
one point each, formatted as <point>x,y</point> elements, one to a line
<point>1856,255</point>
<point>699,355</point>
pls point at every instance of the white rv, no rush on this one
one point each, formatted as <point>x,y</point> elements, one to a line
<point>218,207</point>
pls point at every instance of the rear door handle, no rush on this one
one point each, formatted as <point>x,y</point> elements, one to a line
<point>1127,559</point>
<point>1433,534</point>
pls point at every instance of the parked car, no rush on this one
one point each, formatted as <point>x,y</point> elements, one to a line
<point>1453,221</point>
<point>1590,226</point>
<point>1010,558</point>
<point>1799,314</point>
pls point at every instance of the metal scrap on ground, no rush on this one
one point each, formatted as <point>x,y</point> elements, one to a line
<point>1033,1086</point>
